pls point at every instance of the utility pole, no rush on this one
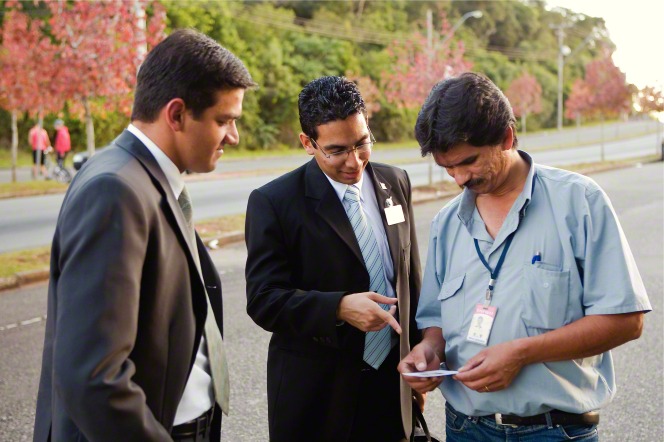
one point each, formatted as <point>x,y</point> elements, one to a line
<point>562,52</point>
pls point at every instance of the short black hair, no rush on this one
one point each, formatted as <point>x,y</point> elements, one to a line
<point>328,99</point>
<point>187,65</point>
<point>464,109</point>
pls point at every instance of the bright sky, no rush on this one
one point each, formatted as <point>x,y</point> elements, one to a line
<point>637,29</point>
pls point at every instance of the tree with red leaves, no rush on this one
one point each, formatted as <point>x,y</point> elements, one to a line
<point>525,96</point>
<point>100,47</point>
<point>609,91</point>
<point>603,92</point>
<point>26,71</point>
<point>417,68</point>
<point>651,100</point>
<point>578,103</point>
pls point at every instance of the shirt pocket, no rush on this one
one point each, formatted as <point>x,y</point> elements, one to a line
<point>546,297</point>
<point>452,300</point>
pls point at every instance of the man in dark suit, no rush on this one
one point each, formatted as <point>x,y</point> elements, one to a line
<point>128,353</point>
<point>326,244</point>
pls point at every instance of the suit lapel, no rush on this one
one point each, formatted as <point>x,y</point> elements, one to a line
<point>402,290</point>
<point>329,207</point>
<point>392,231</point>
<point>133,145</point>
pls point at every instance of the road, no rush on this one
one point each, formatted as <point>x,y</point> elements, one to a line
<point>635,415</point>
<point>30,222</point>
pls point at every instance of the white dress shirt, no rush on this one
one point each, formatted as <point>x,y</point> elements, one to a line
<point>198,396</point>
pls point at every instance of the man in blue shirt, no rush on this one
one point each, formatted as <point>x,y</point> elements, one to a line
<point>529,281</point>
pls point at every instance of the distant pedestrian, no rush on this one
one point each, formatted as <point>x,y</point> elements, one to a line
<point>529,281</point>
<point>61,141</point>
<point>39,141</point>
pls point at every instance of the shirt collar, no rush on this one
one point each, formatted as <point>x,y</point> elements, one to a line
<point>169,168</point>
<point>467,204</point>
<point>340,188</point>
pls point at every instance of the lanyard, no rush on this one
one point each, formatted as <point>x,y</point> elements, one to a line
<point>494,273</point>
<point>508,242</point>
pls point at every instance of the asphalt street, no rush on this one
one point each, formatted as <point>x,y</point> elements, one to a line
<point>636,414</point>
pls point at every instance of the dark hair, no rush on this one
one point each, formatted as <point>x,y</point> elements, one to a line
<point>328,99</point>
<point>465,109</point>
<point>187,65</point>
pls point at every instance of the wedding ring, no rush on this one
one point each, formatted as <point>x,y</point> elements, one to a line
<point>487,389</point>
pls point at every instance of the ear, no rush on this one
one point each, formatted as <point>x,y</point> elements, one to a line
<point>306,143</point>
<point>508,141</point>
<point>175,112</point>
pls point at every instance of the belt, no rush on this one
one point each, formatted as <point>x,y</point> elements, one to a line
<point>556,417</point>
<point>195,427</point>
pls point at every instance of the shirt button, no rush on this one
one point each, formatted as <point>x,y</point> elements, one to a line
<point>546,285</point>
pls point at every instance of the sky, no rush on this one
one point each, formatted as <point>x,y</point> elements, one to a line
<point>636,27</point>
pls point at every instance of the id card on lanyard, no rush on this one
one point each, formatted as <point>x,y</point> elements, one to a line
<point>484,314</point>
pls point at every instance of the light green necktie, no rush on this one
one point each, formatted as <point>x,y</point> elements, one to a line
<point>215,344</point>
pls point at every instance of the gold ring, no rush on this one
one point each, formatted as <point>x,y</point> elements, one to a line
<point>487,389</point>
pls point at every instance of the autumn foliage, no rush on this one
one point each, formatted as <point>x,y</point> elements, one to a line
<point>417,68</point>
<point>525,96</point>
<point>85,54</point>
<point>603,92</point>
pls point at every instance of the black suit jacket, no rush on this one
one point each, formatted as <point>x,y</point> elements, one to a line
<point>126,304</point>
<point>302,258</point>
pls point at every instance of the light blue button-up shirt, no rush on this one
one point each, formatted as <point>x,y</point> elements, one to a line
<point>586,268</point>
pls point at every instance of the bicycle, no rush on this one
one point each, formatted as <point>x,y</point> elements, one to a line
<point>56,171</point>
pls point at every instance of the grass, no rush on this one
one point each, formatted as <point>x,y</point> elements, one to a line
<point>39,258</point>
<point>24,260</point>
<point>24,158</point>
<point>30,188</point>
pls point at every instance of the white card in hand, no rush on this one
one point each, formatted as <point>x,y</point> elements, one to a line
<point>431,373</point>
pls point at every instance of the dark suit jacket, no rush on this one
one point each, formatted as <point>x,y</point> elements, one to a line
<point>126,304</point>
<point>302,258</point>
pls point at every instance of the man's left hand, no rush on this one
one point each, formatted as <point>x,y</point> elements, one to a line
<point>492,369</point>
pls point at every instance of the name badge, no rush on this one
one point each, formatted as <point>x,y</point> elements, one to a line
<point>394,215</point>
<point>481,324</point>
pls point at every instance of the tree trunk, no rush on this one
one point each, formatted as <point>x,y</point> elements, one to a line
<point>14,144</point>
<point>523,123</point>
<point>360,9</point>
<point>601,148</point>
<point>89,129</point>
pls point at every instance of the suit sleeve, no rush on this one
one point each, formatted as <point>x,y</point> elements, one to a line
<point>272,301</point>
<point>415,274</point>
<point>103,233</point>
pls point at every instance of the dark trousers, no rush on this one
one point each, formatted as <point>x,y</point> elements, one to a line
<point>378,416</point>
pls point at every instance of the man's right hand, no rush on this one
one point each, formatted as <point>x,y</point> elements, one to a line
<point>424,357</point>
<point>361,310</point>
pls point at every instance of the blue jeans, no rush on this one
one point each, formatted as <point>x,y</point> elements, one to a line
<point>462,428</point>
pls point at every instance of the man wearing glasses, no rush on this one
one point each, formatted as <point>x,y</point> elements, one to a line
<point>333,272</point>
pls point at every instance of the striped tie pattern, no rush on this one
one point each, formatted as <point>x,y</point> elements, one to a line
<point>376,344</point>
<point>215,344</point>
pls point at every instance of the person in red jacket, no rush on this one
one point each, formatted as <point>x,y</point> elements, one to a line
<point>38,138</point>
<point>61,141</point>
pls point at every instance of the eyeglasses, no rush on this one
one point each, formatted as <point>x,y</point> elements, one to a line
<point>340,156</point>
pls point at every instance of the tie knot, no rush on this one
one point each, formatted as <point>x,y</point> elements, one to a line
<point>352,194</point>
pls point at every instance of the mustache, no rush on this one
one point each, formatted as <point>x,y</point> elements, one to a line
<point>472,183</point>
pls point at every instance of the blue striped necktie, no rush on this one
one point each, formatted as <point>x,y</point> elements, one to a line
<point>377,344</point>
